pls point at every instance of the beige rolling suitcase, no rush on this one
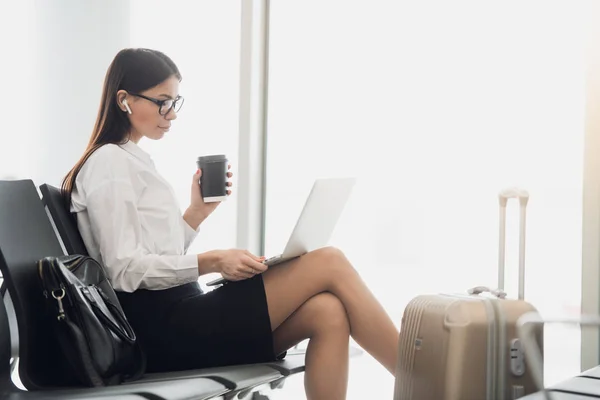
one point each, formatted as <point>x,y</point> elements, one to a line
<point>466,347</point>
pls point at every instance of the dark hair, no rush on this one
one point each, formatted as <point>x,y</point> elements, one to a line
<point>133,70</point>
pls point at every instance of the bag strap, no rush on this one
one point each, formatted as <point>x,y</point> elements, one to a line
<point>120,316</point>
<point>138,366</point>
<point>85,362</point>
<point>125,332</point>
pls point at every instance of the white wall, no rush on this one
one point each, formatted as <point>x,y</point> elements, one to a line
<point>17,41</point>
<point>76,41</point>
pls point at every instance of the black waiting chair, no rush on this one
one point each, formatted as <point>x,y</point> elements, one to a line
<point>63,220</point>
<point>9,391</point>
<point>66,226</point>
<point>156,391</point>
<point>26,235</point>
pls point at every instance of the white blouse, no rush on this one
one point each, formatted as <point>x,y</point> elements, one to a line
<point>130,220</point>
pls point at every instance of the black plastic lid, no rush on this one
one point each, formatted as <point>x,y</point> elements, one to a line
<point>213,158</point>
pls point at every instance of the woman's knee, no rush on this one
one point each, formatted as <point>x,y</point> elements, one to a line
<point>332,258</point>
<point>328,315</point>
<point>330,253</point>
<point>331,263</point>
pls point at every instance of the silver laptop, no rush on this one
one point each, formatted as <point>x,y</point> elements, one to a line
<point>317,220</point>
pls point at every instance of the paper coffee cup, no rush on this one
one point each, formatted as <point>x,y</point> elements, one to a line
<point>213,182</point>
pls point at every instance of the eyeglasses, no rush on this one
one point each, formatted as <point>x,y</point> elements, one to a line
<point>164,106</point>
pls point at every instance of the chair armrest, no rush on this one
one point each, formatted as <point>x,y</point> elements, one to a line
<point>294,361</point>
<point>234,377</point>
<point>194,388</point>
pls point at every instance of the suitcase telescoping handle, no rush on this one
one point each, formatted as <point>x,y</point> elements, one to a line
<point>503,197</point>
<point>526,331</point>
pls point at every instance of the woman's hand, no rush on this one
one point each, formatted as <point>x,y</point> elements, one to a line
<point>197,205</point>
<point>236,265</point>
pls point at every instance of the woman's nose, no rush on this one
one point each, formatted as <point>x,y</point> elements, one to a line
<point>171,115</point>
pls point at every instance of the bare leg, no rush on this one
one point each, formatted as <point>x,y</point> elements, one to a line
<point>289,285</point>
<point>323,320</point>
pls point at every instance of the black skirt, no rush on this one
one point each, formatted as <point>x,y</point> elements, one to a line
<point>183,328</point>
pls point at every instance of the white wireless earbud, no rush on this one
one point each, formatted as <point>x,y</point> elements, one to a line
<point>124,102</point>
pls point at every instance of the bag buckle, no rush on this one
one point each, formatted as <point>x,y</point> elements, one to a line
<point>61,310</point>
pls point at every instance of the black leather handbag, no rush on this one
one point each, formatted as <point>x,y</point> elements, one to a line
<point>90,327</point>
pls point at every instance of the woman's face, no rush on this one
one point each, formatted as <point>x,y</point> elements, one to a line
<point>145,118</point>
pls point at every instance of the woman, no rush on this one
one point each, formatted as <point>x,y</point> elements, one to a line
<point>129,219</point>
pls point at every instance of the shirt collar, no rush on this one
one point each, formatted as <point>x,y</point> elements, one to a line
<point>137,152</point>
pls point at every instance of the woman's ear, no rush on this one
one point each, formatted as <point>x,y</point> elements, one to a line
<point>121,102</point>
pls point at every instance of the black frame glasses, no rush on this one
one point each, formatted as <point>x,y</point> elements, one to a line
<point>176,104</point>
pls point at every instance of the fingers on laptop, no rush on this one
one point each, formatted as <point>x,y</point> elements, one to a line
<point>256,267</point>
<point>256,258</point>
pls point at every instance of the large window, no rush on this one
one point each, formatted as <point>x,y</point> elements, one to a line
<point>435,106</point>
<point>203,38</point>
